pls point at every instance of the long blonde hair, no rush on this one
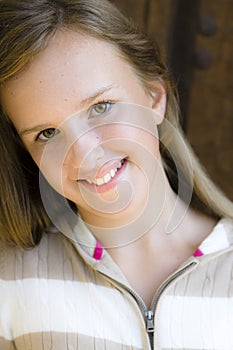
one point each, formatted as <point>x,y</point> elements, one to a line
<point>26,27</point>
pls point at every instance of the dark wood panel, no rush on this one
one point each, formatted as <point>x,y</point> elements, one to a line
<point>160,14</point>
<point>210,122</point>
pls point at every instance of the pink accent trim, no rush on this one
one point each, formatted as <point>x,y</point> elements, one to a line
<point>98,252</point>
<point>198,252</point>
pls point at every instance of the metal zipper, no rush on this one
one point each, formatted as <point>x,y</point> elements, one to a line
<point>170,279</point>
<point>149,314</point>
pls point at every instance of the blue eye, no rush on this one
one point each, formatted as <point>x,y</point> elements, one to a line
<point>47,134</point>
<point>100,108</point>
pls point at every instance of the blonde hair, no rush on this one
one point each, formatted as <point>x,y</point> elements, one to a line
<point>26,27</point>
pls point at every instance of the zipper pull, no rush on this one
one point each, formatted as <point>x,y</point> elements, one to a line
<point>149,321</point>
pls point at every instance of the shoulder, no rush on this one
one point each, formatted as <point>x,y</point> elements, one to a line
<point>211,272</point>
<point>42,261</point>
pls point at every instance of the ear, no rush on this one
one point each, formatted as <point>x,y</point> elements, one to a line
<point>159,100</point>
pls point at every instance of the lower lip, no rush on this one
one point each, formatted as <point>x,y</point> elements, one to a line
<point>108,186</point>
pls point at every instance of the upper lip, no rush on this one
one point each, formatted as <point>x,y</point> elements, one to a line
<point>102,170</point>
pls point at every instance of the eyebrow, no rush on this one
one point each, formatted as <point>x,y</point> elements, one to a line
<point>93,97</point>
<point>83,103</point>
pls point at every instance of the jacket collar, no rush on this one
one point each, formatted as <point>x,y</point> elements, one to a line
<point>219,239</point>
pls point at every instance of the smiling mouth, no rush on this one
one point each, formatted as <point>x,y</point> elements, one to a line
<point>109,176</point>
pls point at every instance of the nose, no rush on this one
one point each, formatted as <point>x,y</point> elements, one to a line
<point>85,153</point>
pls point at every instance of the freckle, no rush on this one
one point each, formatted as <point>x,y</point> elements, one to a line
<point>40,81</point>
<point>66,99</point>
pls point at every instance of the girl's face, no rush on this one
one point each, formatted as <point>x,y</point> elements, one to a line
<point>89,124</point>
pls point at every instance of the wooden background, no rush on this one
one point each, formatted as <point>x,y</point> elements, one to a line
<point>197,37</point>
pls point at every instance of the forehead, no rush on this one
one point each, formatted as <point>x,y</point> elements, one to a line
<point>72,67</point>
<point>67,55</point>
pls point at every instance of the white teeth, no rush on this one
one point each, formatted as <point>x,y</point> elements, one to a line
<point>107,178</point>
<point>104,180</point>
<point>113,172</point>
<point>99,181</point>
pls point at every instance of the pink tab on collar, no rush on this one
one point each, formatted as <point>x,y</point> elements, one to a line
<point>98,252</point>
<point>198,252</point>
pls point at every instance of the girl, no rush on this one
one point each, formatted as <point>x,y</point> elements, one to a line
<point>112,235</point>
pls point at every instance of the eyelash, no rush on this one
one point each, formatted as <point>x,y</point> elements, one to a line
<point>108,105</point>
<point>46,139</point>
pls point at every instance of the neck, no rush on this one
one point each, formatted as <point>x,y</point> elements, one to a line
<point>135,220</point>
<point>156,243</point>
<point>163,215</point>
<point>154,256</point>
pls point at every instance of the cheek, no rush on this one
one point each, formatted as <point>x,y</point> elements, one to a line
<point>142,148</point>
<point>137,141</point>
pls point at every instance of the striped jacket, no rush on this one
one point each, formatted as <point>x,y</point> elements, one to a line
<point>69,295</point>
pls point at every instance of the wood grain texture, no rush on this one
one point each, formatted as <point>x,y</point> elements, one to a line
<point>210,118</point>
